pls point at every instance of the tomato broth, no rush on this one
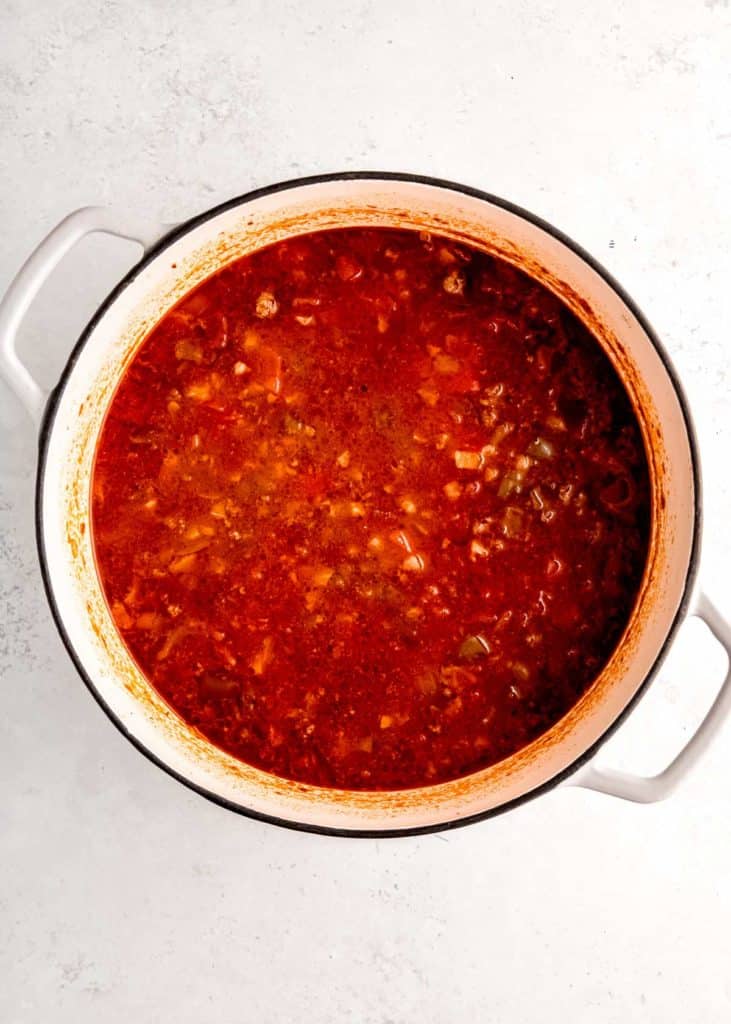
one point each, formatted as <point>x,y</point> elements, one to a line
<point>370,509</point>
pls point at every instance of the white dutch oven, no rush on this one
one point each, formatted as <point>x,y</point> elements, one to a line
<point>70,422</point>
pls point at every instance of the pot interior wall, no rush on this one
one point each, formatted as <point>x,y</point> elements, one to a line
<point>88,387</point>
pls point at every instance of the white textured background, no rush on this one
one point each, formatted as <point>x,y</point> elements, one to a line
<point>123,897</point>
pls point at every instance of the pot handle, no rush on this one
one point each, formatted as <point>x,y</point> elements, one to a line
<point>641,789</point>
<point>34,272</point>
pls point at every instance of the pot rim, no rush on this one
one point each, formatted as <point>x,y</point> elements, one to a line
<point>48,421</point>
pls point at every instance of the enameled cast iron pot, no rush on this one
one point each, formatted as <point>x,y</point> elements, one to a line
<point>71,418</point>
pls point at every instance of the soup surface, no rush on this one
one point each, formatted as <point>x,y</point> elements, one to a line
<point>370,509</point>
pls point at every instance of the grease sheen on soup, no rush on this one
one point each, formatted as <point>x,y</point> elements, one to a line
<point>370,509</point>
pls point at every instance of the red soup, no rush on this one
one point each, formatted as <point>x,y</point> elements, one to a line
<point>370,509</point>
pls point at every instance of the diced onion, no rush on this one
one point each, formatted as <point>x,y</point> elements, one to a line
<point>454,283</point>
<point>478,550</point>
<point>467,460</point>
<point>266,306</point>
